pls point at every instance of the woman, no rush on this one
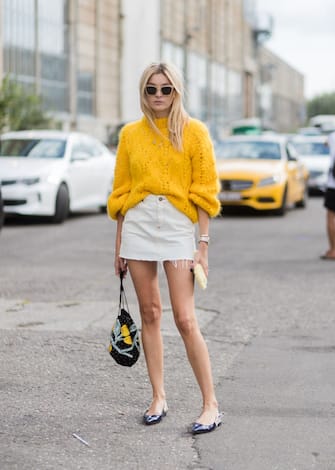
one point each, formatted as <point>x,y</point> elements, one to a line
<point>329,201</point>
<point>165,182</point>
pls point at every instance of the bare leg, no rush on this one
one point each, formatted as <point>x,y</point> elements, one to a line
<point>181,288</point>
<point>145,279</point>
<point>331,233</point>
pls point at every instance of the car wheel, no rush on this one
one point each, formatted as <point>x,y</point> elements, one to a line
<point>283,206</point>
<point>103,207</point>
<point>303,202</point>
<point>62,205</point>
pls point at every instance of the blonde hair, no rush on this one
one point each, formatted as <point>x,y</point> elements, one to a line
<point>178,117</point>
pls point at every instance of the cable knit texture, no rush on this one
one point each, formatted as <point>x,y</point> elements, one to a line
<point>147,163</point>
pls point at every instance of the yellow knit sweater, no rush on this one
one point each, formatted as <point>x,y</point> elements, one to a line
<point>147,163</point>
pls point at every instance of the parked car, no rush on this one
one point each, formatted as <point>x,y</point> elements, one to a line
<point>51,173</point>
<point>2,214</point>
<point>314,152</point>
<point>309,131</point>
<point>260,172</point>
<point>323,122</point>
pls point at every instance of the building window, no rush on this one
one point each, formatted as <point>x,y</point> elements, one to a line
<point>85,90</point>
<point>234,107</point>
<point>53,49</point>
<point>35,36</point>
<point>197,93</point>
<point>19,41</point>
<point>217,98</point>
<point>173,54</point>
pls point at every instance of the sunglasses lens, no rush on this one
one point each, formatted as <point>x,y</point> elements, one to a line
<point>151,90</point>
<point>166,90</point>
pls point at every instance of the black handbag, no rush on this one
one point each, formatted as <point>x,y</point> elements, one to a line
<point>124,343</point>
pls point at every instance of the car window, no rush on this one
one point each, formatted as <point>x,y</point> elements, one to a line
<point>33,148</point>
<point>96,147</point>
<point>248,150</point>
<point>311,148</point>
<point>90,146</point>
<point>82,149</point>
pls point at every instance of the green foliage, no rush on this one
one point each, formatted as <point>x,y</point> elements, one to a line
<point>321,104</point>
<point>20,110</point>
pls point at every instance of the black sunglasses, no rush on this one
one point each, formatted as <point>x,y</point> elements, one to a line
<point>152,90</point>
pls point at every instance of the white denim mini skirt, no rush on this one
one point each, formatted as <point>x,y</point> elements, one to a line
<point>154,230</point>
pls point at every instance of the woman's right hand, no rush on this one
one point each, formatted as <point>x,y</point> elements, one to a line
<point>120,265</point>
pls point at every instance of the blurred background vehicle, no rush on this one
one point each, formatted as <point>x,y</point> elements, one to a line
<point>324,122</point>
<point>314,153</point>
<point>52,173</point>
<point>260,172</point>
<point>113,138</point>
<point>249,126</point>
<point>309,131</point>
<point>2,214</point>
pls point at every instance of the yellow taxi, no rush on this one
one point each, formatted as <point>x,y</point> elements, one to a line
<point>261,172</point>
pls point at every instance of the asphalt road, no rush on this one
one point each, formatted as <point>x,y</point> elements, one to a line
<point>267,316</point>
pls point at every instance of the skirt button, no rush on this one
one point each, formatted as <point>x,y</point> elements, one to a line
<point>160,198</point>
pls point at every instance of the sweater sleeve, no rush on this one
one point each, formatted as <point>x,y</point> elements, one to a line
<point>205,184</point>
<point>122,180</point>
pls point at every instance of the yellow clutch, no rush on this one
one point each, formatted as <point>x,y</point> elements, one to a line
<point>200,276</point>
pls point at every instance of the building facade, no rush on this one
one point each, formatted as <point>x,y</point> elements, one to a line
<point>281,93</point>
<point>68,51</point>
<point>85,58</point>
<point>207,40</point>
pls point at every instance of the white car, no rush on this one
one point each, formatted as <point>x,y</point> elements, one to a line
<point>314,153</point>
<point>2,214</point>
<point>51,173</point>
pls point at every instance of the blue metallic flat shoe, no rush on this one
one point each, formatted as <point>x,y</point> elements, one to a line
<point>198,428</point>
<point>155,419</point>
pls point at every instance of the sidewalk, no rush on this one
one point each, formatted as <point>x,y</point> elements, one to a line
<point>57,379</point>
<point>280,402</point>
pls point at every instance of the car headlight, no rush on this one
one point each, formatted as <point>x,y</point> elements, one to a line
<point>30,181</point>
<point>269,180</point>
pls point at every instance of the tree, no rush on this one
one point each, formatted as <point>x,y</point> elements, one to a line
<point>20,110</point>
<point>321,104</point>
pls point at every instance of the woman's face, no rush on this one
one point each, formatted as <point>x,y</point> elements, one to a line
<point>160,94</point>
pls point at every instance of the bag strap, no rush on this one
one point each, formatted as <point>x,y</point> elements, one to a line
<point>123,299</point>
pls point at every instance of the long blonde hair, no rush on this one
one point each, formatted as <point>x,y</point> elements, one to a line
<point>178,117</point>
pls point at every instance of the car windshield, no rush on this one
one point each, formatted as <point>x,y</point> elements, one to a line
<point>248,149</point>
<point>311,148</point>
<point>33,148</point>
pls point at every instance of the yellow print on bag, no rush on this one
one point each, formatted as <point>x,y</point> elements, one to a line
<point>126,334</point>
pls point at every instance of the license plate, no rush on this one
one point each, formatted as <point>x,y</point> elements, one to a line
<point>229,196</point>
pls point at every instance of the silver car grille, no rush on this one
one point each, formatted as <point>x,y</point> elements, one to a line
<point>235,185</point>
<point>315,173</point>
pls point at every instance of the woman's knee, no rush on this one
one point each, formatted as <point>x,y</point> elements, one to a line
<point>151,314</point>
<point>186,324</point>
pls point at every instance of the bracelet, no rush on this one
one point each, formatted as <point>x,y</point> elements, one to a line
<point>204,238</point>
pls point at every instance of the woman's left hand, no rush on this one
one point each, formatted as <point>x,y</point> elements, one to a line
<point>201,256</point>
